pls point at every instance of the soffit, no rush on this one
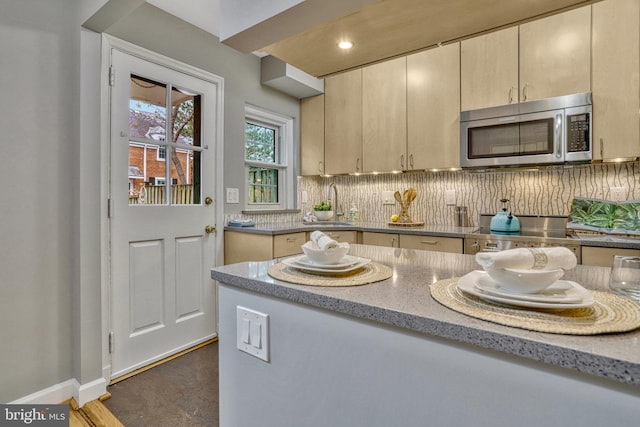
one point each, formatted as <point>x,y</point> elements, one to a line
<point>391,28</point>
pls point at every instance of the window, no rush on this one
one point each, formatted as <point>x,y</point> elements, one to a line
<point>161,154</point>
<point>268,160</point>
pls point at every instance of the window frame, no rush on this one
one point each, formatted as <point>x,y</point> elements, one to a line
<point>284,157</point>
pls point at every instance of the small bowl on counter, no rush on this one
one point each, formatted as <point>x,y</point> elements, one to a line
<point>524,281</point>
<point>320,257</point>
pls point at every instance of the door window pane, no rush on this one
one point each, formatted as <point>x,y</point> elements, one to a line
<point>163,171</point>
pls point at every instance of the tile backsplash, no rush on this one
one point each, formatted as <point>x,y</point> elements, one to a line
<point>548,191</point>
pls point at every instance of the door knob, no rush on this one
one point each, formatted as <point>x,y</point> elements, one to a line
<point>209,229</point>
<point>208,200</point>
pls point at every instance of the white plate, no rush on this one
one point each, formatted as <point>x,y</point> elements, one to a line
<point>469,284</point>
<point>291,262</point>
<point>559,291</point>
<point>346,261</point>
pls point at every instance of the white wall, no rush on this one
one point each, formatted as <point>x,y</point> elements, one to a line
<point>39,73</point>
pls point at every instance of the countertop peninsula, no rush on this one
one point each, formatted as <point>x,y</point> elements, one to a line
<point>404,301</point>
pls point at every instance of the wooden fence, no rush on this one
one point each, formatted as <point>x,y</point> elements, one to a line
<point>181,194</point>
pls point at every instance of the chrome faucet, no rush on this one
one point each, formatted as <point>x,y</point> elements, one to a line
<point>334,202</point>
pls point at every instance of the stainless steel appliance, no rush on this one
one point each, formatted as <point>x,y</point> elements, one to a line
<point>535,232</point>
<point>548,131</point>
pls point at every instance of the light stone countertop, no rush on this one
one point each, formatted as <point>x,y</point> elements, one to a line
<point>610,241</point>
<point>404,301</point>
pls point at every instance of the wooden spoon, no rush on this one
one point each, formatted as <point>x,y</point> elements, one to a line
<point>412,195</point>
<point>398,198</point>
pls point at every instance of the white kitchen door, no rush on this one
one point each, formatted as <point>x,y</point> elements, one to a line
<point>162,239</point>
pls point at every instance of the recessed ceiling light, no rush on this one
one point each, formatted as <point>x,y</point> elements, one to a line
<point>346,44</point>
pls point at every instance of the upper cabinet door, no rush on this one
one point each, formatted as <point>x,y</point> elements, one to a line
<point>489,70</point>
<point>343,123</point>
<point>555,55</point>
<point>384,116</point>
<point>312,135</point>
<point>616,87</point>
<point>433,108</point>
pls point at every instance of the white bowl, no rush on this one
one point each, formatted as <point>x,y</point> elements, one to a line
<point>318,256</point>
<point>323,215</point>
<point>524,281</point>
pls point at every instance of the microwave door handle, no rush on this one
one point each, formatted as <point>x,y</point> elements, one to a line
<point>558,136</point>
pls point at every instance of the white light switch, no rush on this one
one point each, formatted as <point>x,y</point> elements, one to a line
<point>233,195</point>
<point>253,332</point>
<point>387,198</point>
<point>450,197</point>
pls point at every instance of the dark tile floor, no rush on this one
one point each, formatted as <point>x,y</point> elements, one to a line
<point>181,392</point>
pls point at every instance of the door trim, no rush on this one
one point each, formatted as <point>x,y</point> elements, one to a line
<point>109,43</point>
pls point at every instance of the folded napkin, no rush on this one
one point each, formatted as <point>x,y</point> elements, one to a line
<point>323,241</point>
<point>529,258</point>
<point>309,217</point>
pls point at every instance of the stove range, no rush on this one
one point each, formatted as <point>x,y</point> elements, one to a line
<point>535,232</point>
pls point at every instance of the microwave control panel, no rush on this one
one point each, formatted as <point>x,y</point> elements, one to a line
<point>578,132</point>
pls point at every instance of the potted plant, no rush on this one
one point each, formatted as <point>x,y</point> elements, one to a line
<point>323,211</point>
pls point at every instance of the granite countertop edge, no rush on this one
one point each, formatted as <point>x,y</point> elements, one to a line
<point>585,362</point>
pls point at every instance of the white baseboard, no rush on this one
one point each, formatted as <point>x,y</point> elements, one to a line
<point>63,391</point>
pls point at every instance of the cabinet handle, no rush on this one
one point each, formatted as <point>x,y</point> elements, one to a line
<point>601,149</point>
<point>511,95</point>
<point>524,92</point>
<point>291,239</point>
<point>393,242</point>
<point>429,242</point>
<point>320,168</point>
<point>358,165</point>
<point>402,161</point>
<point>410,161</point>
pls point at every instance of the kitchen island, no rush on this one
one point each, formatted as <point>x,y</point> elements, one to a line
<point>388,354</point>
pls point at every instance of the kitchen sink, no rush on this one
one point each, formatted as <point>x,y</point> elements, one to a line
<point>321,223</point>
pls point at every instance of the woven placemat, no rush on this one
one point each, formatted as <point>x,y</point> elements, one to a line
<point>610,313</point>
<point>372,272</point>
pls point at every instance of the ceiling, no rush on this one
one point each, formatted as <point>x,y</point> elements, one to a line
<point>204,14</point>
<point>380,30</point>
<point>390,28</point>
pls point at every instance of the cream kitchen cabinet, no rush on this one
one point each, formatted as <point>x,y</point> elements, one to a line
<point>312,135</point>
<point>384,116</point>
<point>553,58</point>
<point>489,70</point>
<point>343,123</point>
<point>555,55</point>
<point>603,257</point>
<point>380,239</point>
<point>615,79</point>
<point>433,109</point>
<point>432,243</point>
<point>241,246</point>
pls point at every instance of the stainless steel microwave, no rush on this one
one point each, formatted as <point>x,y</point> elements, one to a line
<point>547,131</point>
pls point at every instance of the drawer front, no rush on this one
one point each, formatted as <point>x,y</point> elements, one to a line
<point>432,243</point>
<point>288,244</point>
<point>603,257</point>
<point>380,239</point>
<point>340,236</point>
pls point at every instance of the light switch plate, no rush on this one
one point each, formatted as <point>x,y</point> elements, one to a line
<point>387,198</point>
<point>233,195</point>
<point>252,332</point>
<point>450,197</point>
